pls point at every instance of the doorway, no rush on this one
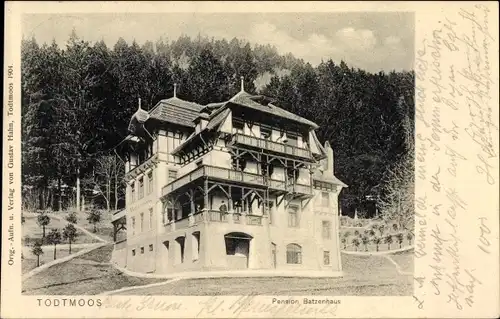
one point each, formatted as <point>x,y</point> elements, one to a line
<point>237,250</point>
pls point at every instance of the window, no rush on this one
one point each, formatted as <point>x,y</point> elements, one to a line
<point>270,205</point>
<point>199,163</point>
<point>133,225</point>
<point>293,216</point>
<point>326,257</point>
<point>172,175</point>
<point>150,182</point>
<point>292,175</point>
<point>142,222</point>
<point>325,199</point>
<point>292,139</point>
<point>133,252</point>
<point>293,254</point>
<point>132,191</point>
<point>327,229</point>
<point>179,251</point>
<point>142,250</point>
<point>238,127</point>
<point>150,218</point>
<point>141,187</point>
<point>265,133</point>
<point>151,247</point>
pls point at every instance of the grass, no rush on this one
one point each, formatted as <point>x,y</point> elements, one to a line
<point>31,229</point>
<point>405,263</point>
<point>29,261</point>
<point>83,275</point>
<point>91,274</point>
<point>104,227</point>
<point>367,276</point>
<point>101,255</point>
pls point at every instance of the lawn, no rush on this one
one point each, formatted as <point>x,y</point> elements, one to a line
<point>31,231</point>
<point>104,227</point>
<point>363,276</point>
<point>88,274</point>
<point>29,260</point>
<point>403,260</point>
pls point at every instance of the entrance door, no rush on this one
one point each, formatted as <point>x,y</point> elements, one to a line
<point>237,250</point>
<point>273,254</point>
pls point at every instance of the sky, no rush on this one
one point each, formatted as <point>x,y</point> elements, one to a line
<point>373,41</point>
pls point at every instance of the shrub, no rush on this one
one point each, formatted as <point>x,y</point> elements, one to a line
<point>409,236</point>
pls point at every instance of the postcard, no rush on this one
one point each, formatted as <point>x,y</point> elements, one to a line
<point>241,159</point>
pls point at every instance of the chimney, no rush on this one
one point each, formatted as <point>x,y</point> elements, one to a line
<point>329,158</point>
<point>175,89</point>
<point>242,84</point>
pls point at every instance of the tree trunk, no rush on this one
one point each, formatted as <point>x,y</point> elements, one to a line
<point>55,246</point>
<point>43,231</point>
<point>108,194</point>
<point>59,204</point>
<point>38,260</point>
<point>116,189</point>
<point>70,247</point>
<point>388,246</point>
<point>377,247</point>
<point>95,228</point>
<point>78,189</point>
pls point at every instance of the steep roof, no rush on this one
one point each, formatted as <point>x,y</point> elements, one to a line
<point>177,111</point>
<point>247,100</point>
<point>216,119</point>
<point>329,178</point>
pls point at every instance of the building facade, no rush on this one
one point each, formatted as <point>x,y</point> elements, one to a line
<point>241,184</point>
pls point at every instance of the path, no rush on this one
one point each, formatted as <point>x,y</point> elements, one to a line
<point>398,268</point>
<point>82,229</point>
<point>383,252</point>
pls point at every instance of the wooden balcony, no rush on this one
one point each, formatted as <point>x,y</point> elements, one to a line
<point>217,173</point>
<point>274,147</point>
<point>215,216</point>
<point>238,177</point>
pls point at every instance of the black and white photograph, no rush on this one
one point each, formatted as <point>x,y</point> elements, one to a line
<point>292,155</point>
<point>236,149</point>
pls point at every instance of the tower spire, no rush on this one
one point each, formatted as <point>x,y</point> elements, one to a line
<point>242,83</point>
<point>175,89</point>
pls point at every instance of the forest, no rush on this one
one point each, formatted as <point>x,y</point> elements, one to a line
<point>77,101</point>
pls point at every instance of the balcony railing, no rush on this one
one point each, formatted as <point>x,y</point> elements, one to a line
<point>300,189</point>
<point>214,172</point>
<point>235,176</point>
<point>215,216</point>
<point>276,147</point>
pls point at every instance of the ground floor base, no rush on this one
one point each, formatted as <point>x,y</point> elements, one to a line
<point>224,247</point>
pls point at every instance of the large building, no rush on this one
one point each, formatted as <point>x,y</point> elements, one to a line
<point>241,184</point>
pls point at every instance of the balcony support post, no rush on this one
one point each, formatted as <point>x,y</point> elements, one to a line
<point>230,206</point>
<point>190,194</point>
<point>205,199</point>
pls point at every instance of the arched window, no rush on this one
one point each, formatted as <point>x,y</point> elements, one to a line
<point>293,254</point>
